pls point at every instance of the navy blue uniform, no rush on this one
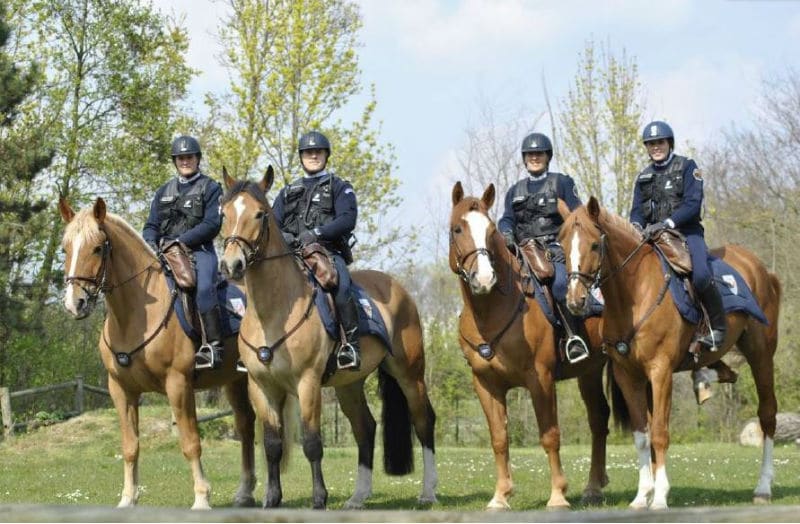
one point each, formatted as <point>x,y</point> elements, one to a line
<point>197,229</point>
<point>325,204</point>
<point>672,192</point>
<point>531,211</point>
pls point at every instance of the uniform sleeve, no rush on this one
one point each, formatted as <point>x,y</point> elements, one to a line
<point>209,227</point>
<point>637,214</point>
<point>151,232</point>
<point>277,208</point>
<point>346,209</point>
<point>568,192</point>
<point>507,221</point>
<point>688,212</point>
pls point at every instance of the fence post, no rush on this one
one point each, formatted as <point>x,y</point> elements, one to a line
<point>79,394</point>
<point>8,417</point>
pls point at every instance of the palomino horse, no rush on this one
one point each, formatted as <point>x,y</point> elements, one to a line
<point>498,312</point>
<point>143,346</point>
<point>647,339</point>
<point>290,351</point>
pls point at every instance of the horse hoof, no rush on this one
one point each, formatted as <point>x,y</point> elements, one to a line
<point>498,505</point>
<point>244,502</point>
<point>427,500</point>
<point>659,507</point>
<point>351,504</point>
<point>557,506</point>
<point>762,499</point>
<point>592,498</point>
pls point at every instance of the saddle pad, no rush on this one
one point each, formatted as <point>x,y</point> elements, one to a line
<point>232,303</point>
<point>370,321</point>
<point>736,294</point>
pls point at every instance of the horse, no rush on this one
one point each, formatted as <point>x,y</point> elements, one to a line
<point>497,311</point>
<point>647,339</point>
<point>143,347</point>
<point>290,351</point>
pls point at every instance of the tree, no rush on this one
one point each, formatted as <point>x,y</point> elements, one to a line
<point>294,67</point>
<point>598,126</point>
<point>24,157</point>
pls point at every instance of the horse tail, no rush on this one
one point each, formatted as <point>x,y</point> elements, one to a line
<point>398,458</point>
<point>619,408</point>
<point>290,415</point>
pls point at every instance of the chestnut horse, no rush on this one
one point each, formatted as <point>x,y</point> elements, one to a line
<point>498,312</point>
<point>290,349</point>
<point>143,346</point>
<point>647,339</point>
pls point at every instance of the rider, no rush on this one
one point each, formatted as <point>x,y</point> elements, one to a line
<point>186,209</point>
<point>531,212</point>
<point>321,207</point>
<point>669,194</point>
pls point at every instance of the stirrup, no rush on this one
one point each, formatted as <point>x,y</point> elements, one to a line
<point>348,358</point>
<point>712,340</point>
<point>240,367</point>
<point>576,349</point>
<point>207,357</point>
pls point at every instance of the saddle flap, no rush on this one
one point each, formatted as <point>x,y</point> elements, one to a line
<point>179,258</point>
<point>538,259</point>
<point>672,245</point>
<point>319,262</point>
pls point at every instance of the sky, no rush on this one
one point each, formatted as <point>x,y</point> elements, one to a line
<point>701,63</point>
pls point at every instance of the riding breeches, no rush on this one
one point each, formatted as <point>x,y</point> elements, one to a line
<point>342,292</point>
<point>701,270</point>
<point>206,266</point>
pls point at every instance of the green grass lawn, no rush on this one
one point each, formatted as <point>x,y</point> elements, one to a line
<point>79,462</point>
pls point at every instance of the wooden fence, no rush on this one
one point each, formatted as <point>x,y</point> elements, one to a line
<point>9,426</point>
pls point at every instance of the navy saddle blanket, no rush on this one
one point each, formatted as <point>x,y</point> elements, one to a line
<point>232,303</point>
<point>370,321</point>
<point>736,294</point>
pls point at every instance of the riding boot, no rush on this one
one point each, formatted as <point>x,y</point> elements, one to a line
<point>349,355</point>
<point>712,301</point>
<point>209,355</point>
<point>575,346</point>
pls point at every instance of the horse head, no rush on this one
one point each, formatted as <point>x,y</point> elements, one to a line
<point>246,225</point>
<point>87,250</point>
<point>474,240</point>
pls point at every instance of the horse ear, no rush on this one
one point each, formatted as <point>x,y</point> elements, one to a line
<point>594,208</point>
<point>229,180</point>
<point>100,210</point>
<point>269,177</point>
<point>488,196</point>
<point>563,209</point>
<point>458,193</point>
<point>66,211</point>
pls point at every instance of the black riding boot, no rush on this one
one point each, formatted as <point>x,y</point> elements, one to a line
<point>349,355</point>
<point>210,354</point>
<point>576,347</point>
<point>712,301</point>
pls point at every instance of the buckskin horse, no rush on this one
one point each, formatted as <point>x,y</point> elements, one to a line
<point>497,311</point>
<point>290,349</point>
<point>647,339</point>
<point>142,345</point>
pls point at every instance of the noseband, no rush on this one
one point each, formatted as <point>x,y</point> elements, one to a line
<point>252,249</point>
<point>97,283</point>
<point>461,261</point>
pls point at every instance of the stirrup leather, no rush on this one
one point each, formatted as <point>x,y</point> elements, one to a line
<point>713,340</point>
<point>576,349</point>
<point>347,357</point>
<point>207,357</point>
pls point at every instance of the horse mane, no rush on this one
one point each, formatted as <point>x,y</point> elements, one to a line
<point>245,186</point>
<point>84,225</point>
<point>620,223</point>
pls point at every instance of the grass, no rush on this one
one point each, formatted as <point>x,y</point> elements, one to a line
<point>79,462</point>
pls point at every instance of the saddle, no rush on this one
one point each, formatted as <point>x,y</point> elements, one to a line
<point>672,244</point>
<point>538,259</point>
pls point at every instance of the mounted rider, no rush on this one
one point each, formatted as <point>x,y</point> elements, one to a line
<point>321,207</point>
<point>186,209</point>
<point>669,194</point>
<point>531,214</point>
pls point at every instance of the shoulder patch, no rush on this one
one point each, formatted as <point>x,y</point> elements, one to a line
<point>575,191</point>
<point>697,174</point>
<point>348,190</point>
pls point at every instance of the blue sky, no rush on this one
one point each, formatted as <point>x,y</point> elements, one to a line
<point>701,64</point>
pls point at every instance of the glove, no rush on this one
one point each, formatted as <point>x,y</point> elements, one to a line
<point>652,230</point>
<point>307,237</point>
<point>556,253</point>
<point>509,238</point>
<point>289,238</point>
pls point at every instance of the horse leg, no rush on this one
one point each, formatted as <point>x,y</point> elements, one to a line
<point>635,394</point>
<point>493,401</point>
<point>662,404</point>
<point>127,405</point>
<point>268,403</point>
<point>354,406</point>
<point>598,412</point>
<point>758,351</point>
<point>543,393</point>
<point>310,396</point>
<point>244,419</point>
<point>181,399</point>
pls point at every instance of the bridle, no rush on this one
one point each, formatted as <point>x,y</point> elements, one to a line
<point>252,249</point>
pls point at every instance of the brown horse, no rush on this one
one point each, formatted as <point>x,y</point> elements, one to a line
<point>647,339</point>
<point>290,349</point>
<point>498,312</point>
<point>143,346</point>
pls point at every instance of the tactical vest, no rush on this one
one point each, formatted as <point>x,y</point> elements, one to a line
<point>536,214</point>
<point>661,191</point>
<point>178,213</point>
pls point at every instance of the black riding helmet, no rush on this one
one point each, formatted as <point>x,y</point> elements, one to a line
<point>313,140</point>
<point>656,130</point>
<point>186,145</point>
<point>537,142</point>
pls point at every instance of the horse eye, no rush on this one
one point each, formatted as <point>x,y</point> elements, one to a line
<point>259,215</point>
<point>97,250</point>
<point>457,230</point>
<point>595,246</point>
